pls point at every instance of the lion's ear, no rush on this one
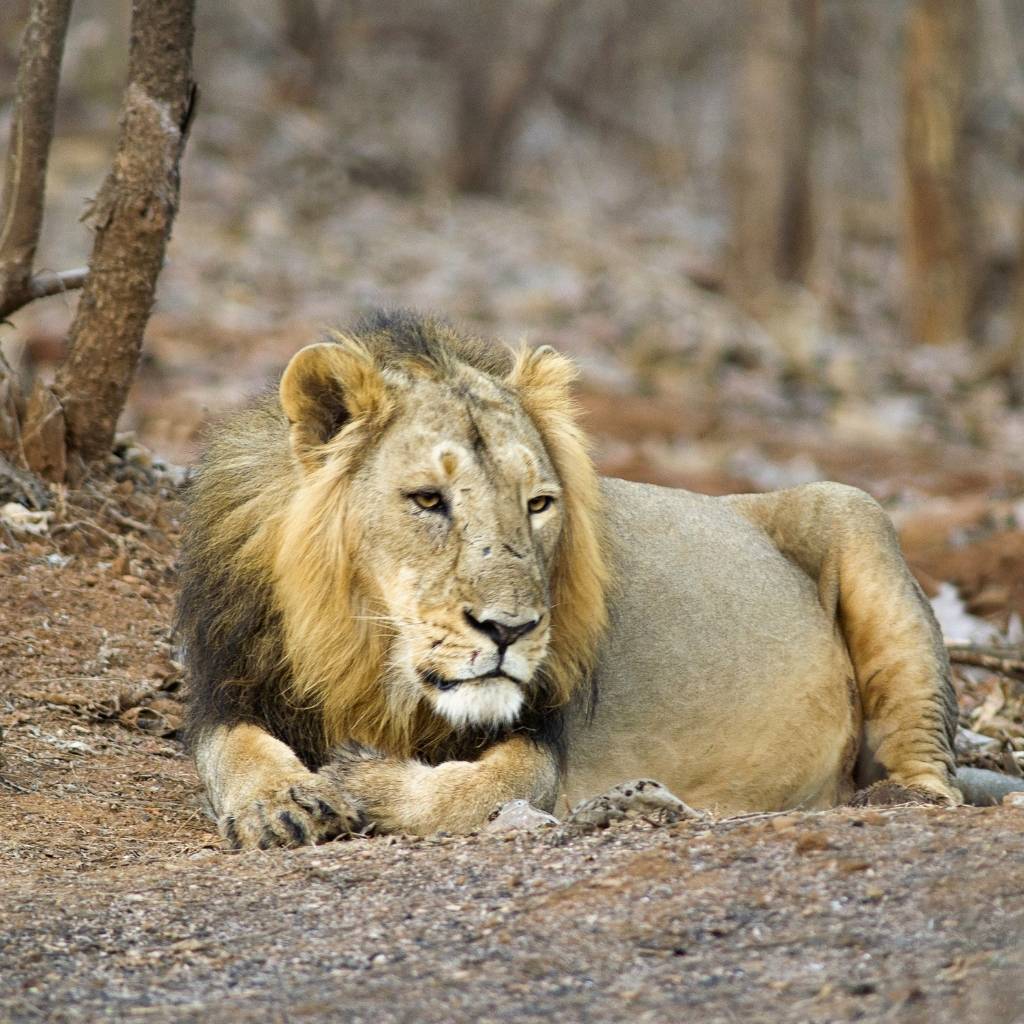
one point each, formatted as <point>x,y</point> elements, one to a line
<point>324,387</point>
<point>544,379</point>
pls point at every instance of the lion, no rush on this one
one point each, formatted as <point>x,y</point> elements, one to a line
<point>408,597</point>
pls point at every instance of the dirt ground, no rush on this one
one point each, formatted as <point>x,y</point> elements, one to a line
<point>118,902</point>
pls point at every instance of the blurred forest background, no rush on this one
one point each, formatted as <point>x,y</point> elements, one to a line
<point>782,237</point>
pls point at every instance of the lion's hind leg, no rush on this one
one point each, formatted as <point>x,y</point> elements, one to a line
<point>844,540</point>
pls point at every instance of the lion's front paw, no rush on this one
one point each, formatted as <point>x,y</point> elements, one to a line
<point>301,813</point>
<point>377,785</point>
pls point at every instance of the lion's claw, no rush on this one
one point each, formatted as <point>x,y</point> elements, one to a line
<point>300,814</point>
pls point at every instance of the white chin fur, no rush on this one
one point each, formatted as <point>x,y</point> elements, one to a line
<point>494,702</point>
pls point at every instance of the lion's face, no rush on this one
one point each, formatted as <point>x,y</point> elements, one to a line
<point>440,544</point>
<point>461,517</point>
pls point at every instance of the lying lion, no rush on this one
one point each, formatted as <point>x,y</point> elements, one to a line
<point>405,568</point>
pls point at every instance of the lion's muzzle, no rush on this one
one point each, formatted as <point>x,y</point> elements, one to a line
<point>502,631</point>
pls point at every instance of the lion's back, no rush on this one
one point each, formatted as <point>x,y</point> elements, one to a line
<point>719,653</point>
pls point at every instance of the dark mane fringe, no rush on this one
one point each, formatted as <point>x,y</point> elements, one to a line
<point>400,336</point>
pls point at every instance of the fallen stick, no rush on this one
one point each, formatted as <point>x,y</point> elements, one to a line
<point>995,660</point>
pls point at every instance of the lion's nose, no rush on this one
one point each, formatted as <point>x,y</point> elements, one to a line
<point>504,634</point>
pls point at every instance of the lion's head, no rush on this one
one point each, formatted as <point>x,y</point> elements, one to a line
<point>438,563</point>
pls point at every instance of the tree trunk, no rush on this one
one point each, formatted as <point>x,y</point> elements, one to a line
<point>10,416</point>
<point>35,105</point>
<point>1009,363</point>
<point>133,214</point>
<point>937,243</point>
<point>310,28</point>
<point>771,168</point>
<point>494,94</point>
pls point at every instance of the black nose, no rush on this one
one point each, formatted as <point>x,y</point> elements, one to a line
<point>504,634</point>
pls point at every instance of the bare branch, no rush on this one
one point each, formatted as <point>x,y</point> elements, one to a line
<point>48,282</point>
<point>21,203</point>
<point>42,286</point>
<point>1006,662</point>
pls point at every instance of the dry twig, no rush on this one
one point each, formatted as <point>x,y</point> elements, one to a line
<point>13,786</point>
<point>1008,662</point>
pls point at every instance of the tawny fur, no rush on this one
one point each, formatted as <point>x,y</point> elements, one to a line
<point>750,652</point>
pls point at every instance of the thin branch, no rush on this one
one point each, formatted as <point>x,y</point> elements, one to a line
<point>13,786</point>
<point>21,203</point>
<point>41,286</point>
<point>48,282</point>
<point>992,658</point>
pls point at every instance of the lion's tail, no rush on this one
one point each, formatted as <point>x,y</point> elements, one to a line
<point>984,788</point>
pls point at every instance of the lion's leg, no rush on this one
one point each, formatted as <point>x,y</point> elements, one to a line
<point>261,793</point>
<point>844,540</point>
<point>456,796</point>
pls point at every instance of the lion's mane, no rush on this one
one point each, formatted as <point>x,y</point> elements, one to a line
<point>276,615</point>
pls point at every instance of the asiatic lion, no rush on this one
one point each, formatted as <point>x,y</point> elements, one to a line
<point>405,564</point>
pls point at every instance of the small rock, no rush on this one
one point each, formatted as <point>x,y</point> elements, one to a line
<point>518,814</point>
<point>23,522</point>
<point>811,842</point>
<point>1014,800</point>
<point>968,742</point>
<point>850,865</point>
<point>874,818</point>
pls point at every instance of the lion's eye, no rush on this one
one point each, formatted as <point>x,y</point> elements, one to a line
<point>429,500</point>
<point>539,504</point>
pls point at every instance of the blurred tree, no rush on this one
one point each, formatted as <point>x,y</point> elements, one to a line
<point>65,428</point>
<point>1008,360</point>
<point>938,249</point>
<point>24,188</point>
<point>771,161</point>
<point>133,214</point>
<point>310,29</point>
<point>495,87</point>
